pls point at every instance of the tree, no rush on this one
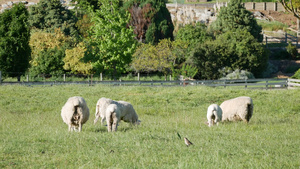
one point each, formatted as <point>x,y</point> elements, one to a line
<point>236,49</point>
<point>49,15</point>
<point>151,20</point>
<point>50,62</point>
<point>162,57</point>
<point>113,42</point>
<point>14,41</point>
<point>74,60</point>
<point>235,16</point>
<point>192,35</point>
<point>48,48</point>
<point>292,6</point>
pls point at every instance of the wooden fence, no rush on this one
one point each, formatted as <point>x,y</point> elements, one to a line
<point>271,37</point>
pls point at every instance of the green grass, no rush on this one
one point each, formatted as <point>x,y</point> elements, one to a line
<point>33,135</point>
<point>272,26</point>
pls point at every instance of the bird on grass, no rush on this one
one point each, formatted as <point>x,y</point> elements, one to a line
<point>187,142</point>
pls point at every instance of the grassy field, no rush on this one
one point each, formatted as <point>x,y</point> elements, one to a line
<point>33,135</point>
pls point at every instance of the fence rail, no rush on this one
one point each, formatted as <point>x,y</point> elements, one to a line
<point>276,37</point>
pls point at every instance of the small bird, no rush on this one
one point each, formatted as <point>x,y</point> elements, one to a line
<point>187,142</point>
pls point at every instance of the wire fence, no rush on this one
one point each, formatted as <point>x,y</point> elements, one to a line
<point>155,80</point>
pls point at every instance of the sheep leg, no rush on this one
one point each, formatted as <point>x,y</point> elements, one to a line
<point>70,127</point>
<point>109,124</point>
<point>115,124</point>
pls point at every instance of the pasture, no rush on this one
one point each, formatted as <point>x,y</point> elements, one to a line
<point>33,135</point>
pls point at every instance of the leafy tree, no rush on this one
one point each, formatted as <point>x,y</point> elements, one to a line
<point>14,41</point>
<point>151,20</point>
<point>235,50</point>
<point>113,42</point>
<point>49,15</point>
<point>192,35</point>
<point>44,47</point>
<point>50,62</point>
<point>74,60</point>
<point>161,57</point>
<point>235,16</point>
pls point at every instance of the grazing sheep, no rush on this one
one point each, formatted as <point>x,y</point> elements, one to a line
<point>75,113</point>
<point>105,108</point>
<point>113,117</point>
<point>101,107</point>
<point>214,114</point>
<point>240,108</point>
<point>128,113</point>
<point>118,111</point>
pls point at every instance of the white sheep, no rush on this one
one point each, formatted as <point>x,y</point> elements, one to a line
<point>113,117</point>
<point>75,113</point>
<point>214,114</point>
<point>101,107</point>
<point>128,113</point>
<point>237,109</point>
<point>105,108</point>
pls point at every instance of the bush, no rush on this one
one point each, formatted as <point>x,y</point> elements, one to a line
<point>238,74</point>
<point>292,51</point>
<point>296,75</point>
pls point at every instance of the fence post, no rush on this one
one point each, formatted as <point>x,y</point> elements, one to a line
<point>64,77</point>
<point>0,77</point>
<point>138,76</point>
<point>275,6</point>
<point>170,77</point>
<point>266,84</point>
<point>101,77</point>
<point>264,5</point>
<point>285,37</point>
<point>91,79</point>
<point>267,42</point>
<point>27,78</point>
<point>253,5</point>
<point>245,83</point>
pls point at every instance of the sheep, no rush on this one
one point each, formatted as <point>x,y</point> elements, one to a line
<point>128,113</point>
<point>237,109</point>
<point>75,113</point>
<point>113,117</point>
<point>214,114</point>
<point>101,107</point>
<point>120,110</point>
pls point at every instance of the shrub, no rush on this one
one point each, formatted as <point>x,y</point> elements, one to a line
<point>292,51</point>
<point>297,74</point>
<point>239,74</point>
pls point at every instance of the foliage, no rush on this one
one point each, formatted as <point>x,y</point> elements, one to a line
<point>74,60</point>
<point>49,61</point>
<point>187,71</point>
<point>84,25</point>
<point>33,135</point>
<point>292,51</point>
<point>236,50</point>
<point>14,41</point>
<point>235,16</point>
<point>193,35</point>
<point>112,40</point>
<point>41,41</point>
<point>150,19</point>
<point>161,57</point>
<point>49,15</point>
<point>296,75</point>
<point>237,74</point>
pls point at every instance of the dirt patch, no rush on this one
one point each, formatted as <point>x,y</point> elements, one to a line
<point>283,17</point>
